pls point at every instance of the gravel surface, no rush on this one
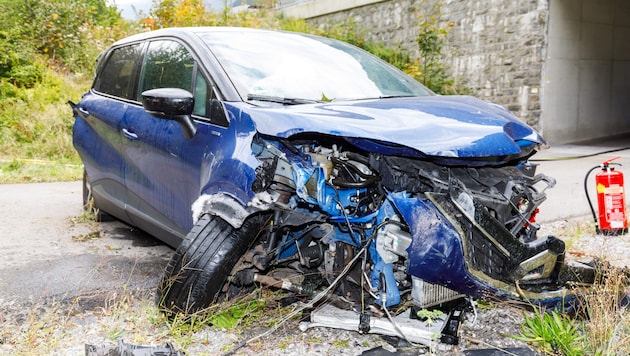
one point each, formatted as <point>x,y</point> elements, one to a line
<point>491,329</point>
<point>60,290</point>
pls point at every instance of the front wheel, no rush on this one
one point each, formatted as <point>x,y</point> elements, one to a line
<point>195,276</point>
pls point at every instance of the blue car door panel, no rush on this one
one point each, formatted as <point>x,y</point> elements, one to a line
<point>98,125</point>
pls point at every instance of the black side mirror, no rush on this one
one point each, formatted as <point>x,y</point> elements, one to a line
<point>171,104</point>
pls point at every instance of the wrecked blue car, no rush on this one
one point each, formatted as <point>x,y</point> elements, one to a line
<point>298,162</point>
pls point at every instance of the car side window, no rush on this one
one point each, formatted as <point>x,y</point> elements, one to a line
<point>202,96</point>
<point>116,77</point>
<point>167,64</point>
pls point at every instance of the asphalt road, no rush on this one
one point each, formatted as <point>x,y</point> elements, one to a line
<point>45,255</point>
<point>568,165</point>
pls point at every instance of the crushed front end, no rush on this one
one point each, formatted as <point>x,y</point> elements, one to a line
<point>380,215</point>
<point>465,230</point>
<point>473,230</point>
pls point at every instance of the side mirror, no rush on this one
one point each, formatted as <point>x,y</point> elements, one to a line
<point>171,104</point>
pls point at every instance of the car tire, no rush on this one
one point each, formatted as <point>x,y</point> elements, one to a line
<point>88,201</point>
<point>195,276</point>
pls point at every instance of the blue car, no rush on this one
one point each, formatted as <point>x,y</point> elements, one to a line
<point>304,163</point>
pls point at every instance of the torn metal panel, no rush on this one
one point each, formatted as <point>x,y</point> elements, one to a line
<point>125,349</point>
<point>227,207</point>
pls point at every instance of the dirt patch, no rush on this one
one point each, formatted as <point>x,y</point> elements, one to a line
<point>49,252</point>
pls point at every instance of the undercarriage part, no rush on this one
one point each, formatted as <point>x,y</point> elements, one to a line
<point>283,283</point>
<point>319,296</point>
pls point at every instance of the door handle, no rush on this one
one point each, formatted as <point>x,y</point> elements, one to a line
<point>79,111</point>
<point>130,135</point>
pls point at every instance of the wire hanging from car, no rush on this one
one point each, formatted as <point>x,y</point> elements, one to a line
<point>321,295</point>
<point>579,156</point>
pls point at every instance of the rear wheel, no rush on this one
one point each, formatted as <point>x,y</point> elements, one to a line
<point>88,201</point>
<point>195,276</point>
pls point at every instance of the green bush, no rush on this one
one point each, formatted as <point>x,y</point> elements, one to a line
<point>18,63</point>
<point>47,54</point>
<point>59,29</point>
<point>7,90</point>
<point>26,76</point>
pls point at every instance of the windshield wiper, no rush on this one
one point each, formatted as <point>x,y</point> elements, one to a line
<point>396,96</point>
<point>281,100</point>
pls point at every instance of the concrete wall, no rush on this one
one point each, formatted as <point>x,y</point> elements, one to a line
<point>499,48</point>
<point>393,22</point>
<point>587,72</point>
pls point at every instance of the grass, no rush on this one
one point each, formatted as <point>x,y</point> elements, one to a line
<point>35,130</point>
<point>602,328</point>
<point>39,171</point>
<point>552,333</point>
<point>607,329</point>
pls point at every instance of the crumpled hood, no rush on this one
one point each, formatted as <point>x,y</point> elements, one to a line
<point>443,126</point>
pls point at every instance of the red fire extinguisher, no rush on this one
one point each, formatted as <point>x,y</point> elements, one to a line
<point>611,202</point>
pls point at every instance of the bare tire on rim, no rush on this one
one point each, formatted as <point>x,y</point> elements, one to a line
<point>196,274</point>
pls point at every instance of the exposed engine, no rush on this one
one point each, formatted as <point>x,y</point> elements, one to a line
<point>344,212</point>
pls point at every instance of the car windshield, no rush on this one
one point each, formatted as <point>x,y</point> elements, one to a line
<point>291,68</point>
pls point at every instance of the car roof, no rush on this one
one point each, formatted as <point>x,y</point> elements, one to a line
<point>185,32</point>
<point>191,36</point>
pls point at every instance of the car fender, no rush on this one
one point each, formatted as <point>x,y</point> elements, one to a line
<point>227,192</point>
<point>230,196</point>
<point>223,205</point>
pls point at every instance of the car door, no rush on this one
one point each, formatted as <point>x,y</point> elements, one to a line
<point>163,167</point>
<point>98,131</point>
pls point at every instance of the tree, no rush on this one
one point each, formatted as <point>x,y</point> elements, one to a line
<point>60,29</point>
<point>170,13</point>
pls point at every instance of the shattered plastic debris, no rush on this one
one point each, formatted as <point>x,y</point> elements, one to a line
<point>123,349</point>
